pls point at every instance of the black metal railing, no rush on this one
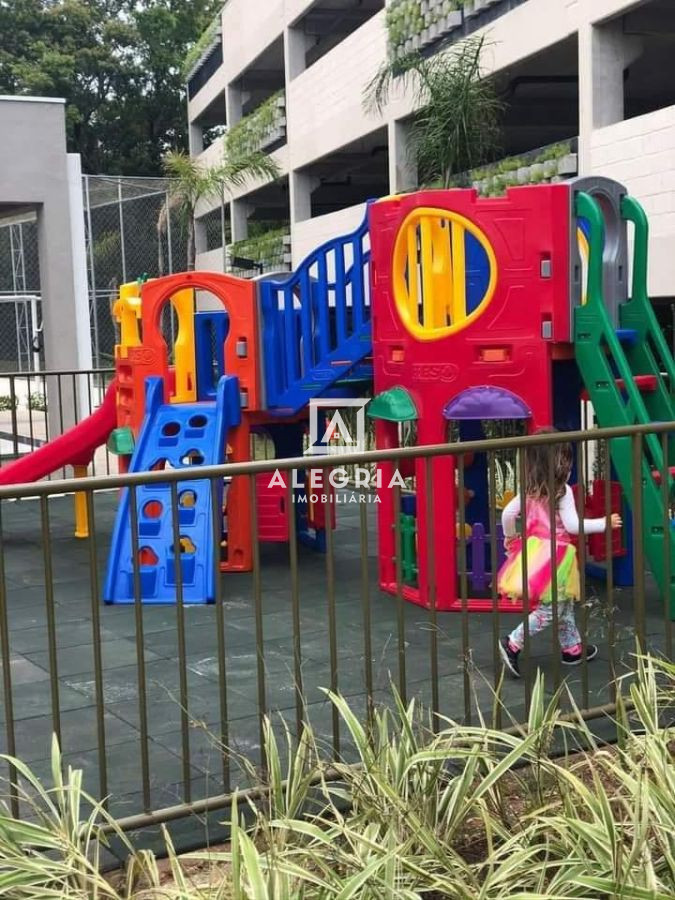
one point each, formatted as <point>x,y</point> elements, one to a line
<point>159,704</point>
<point>36,407</point>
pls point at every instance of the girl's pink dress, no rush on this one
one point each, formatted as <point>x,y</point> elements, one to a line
<point>539,560</point>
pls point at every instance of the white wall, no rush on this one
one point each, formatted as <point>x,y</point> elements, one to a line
<point>640,153</point>
<point>311,233</point>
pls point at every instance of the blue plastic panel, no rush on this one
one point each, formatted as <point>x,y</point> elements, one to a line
<point>173,436</point>
<point>316,324</point>
<point>210,332</point>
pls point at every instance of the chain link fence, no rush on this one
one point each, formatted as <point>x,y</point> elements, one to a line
<point>131,232</point>
<point>20,319</point>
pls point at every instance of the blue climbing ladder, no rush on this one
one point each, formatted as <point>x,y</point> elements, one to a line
<point>316,327</point>
<point>172,436</point>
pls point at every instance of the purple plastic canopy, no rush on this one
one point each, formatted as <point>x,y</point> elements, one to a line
<point>486,402</point>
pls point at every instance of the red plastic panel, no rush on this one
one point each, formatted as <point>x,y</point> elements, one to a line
<point>272,508</point>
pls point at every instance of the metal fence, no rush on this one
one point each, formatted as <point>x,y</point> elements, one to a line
<point>36,406</point>
<point>132,230</point>
<point>159,705</point>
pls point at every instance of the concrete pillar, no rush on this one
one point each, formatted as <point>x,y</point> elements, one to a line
<point>80,280</point>
<point>234,103</point>
<point>604,54</point>
<point>402,166</point>
<point>296,44</point>
<point>300,190</point>
<point>196,139</point>
<point>239,213</point>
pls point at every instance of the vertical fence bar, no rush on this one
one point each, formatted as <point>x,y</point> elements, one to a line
<point>259,633</point>
<point>581,511</point>
<point>367,613</point>
<point>31,429</point>
<point>464,588</point>
<point>7,677</point>
<point>169,246</point>
<point>295,606</point>
<point>494,592</point>
<point>217,522</point>
<point>15,425</point>
<point>76,411</point>
<point>522,478</point>
<point>332,621</point>
<point>433,598</point>
<point>182,655</point>
<point>140,650</point>
<point>609,612</point>
<point>400,602</point>
<point>45,408</point>
<point>553,500</point>
<point>51,616</point>
<point>667,544</point>
<point>121,219</point>
<point>638,545</point>
<point>98,656</point>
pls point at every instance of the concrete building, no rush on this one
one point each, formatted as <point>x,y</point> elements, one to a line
<point>40,180</point>
<point>596,73</point>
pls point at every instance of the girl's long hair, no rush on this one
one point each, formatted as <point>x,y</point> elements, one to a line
<point>537,468</point>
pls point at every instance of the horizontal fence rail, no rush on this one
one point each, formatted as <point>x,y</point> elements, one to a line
<point>164,706</point>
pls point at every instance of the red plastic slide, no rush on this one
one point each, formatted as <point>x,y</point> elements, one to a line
<point>75,447</point>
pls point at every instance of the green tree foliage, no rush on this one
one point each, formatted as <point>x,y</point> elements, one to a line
<point>456,127</point>
<point>117,64</point>
<point>192,183</point>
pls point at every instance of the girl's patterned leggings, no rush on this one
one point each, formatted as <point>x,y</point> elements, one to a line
<point>568,633</point>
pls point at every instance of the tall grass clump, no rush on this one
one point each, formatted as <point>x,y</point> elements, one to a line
<point>470,813</point>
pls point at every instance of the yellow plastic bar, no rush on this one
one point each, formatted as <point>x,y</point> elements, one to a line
<point>426,238</point>
<point>442,269</point>
<point>184,349</point>
<point>81,515</point>
<point>458,309</point>
<point>127,311</point>
<point>413,272</point>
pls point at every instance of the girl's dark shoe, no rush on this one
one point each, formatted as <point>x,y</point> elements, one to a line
<point>575,659</point>
<point>509,657</point>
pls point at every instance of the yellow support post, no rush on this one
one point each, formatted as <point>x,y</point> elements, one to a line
<point>458,273</point>
<point>183,303</point>
<point>81,515</point>
<point>426,240</point>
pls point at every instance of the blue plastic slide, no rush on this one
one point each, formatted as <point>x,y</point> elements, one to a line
<point>173,436</point>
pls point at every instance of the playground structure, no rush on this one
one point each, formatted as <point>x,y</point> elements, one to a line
<point>454,311</point>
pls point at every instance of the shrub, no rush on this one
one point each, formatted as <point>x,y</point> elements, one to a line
<point>7,402</point>
<point>468,812</point>
<point>37,402</point>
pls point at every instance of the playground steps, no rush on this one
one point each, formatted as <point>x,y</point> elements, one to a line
<point>624,380</point>
<point>646,384</point>
<point>316,329</point>
<point>172,436</point>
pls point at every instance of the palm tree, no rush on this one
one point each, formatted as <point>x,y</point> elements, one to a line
<point>456,127</point>
<point>191,182</point>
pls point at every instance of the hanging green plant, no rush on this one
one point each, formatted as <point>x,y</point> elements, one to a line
<point>255,129</point>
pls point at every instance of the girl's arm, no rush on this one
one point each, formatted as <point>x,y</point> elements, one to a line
<point>510,515</point>
<point>567,509</point>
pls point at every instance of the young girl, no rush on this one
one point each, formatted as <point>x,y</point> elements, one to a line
<point>540,566</point>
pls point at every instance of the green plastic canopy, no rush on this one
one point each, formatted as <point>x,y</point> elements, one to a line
<point>394,405</point>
